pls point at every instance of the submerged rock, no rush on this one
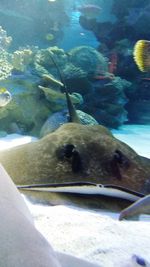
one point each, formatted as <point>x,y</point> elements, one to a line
<point>53,122</point>
<point>57,119</point>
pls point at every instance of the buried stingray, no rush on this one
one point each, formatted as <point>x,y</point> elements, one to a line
<point>77,158</point>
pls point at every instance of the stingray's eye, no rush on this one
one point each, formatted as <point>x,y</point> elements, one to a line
<point>121,159</point>
<point>65,151</point>
<point>70,153</point>
<point>118,162</point>
<point>77,165</point>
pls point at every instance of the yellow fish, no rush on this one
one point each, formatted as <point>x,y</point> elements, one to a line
<point>141,54</point>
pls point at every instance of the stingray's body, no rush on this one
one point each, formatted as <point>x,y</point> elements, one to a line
<point>21,244</point>
<point>78,153</point>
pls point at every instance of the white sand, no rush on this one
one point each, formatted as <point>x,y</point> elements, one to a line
<point>96,236</point>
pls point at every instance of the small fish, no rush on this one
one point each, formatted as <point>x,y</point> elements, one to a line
<point>49,37</point>
<point>5,97</point>
<point>141,54</point>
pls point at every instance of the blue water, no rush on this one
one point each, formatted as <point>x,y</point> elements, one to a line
<point>75,34</point>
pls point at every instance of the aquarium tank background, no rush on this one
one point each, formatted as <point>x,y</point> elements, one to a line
<point>91,42</point>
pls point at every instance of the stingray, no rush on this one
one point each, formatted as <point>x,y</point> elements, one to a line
<point>21,243</point>
<point>79,159</point>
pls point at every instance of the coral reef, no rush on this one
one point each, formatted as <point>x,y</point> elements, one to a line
<point>88,59</point>
<point>38,89</point>
<point>117,38</point>
<point>5,65</point>
<point>5,41</point>
<point>105,99</point>
<point>73,72</point>
<point>57,99</point>
<point>21,59</point>
<point>26,109</point>
<point>116,34</point>
<point>44,63</point>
